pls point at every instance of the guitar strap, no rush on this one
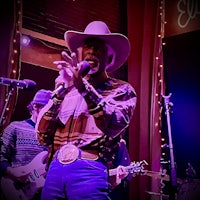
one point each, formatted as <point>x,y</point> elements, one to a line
<point>31,122</point>
<point>50,155</point>
<point>50,149</point>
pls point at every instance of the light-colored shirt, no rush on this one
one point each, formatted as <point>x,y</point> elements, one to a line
<point>84,118</point>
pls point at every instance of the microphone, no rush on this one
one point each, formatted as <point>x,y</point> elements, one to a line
<point>25,84</point>
<point>58,91</point>
<point>85,68</point>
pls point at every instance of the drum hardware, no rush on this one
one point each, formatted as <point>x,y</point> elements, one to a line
<point>173,175</point>
<point>189,190</point>
<point>158,175</point>
<point>161,195</point>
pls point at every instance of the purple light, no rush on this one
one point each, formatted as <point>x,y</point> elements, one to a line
<point>25,40</point>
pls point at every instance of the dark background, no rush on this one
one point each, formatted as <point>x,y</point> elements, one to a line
<point>182,69</point>
<point>44,79</point>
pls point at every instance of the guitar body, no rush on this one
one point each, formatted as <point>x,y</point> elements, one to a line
<point>26,191</point>
<point>11,191</point>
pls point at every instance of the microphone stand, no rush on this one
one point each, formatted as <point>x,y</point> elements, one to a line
<point>10,93</point>
<point>173,178</point>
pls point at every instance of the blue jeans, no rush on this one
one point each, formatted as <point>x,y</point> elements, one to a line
<point>79,180</point>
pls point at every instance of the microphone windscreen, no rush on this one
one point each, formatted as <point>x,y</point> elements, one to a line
<point>85,68</point>
<point>30,85</point>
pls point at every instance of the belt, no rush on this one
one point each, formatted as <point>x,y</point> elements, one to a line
<point>69,153</point>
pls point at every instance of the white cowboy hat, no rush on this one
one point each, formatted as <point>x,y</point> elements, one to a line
<point>118,43</point>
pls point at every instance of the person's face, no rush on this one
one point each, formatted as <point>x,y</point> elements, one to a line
<point>94,51</point>
<point>36,109</point>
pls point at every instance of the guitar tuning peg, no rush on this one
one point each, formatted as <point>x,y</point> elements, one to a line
<point>144,162</point>
<point>133,163</point>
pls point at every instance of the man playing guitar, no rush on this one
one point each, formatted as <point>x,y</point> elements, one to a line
<point>19,147</point>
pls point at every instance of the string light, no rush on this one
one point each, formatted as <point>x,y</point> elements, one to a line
<point>14,58</point>
<point>159,63</point>
<point>159,81</point>
<point>160,74</point>
<point>16,41</point>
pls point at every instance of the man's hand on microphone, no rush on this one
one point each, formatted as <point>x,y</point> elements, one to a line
<point>71,71</point>
<point>65,79</point>
<point>73,63</point>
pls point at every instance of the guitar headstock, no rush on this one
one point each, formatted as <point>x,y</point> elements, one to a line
<point>136,167</point>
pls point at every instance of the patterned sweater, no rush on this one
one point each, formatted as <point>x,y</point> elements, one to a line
<point>19,146</point>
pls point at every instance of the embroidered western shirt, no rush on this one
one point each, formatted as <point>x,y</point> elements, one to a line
<point>83,118</point>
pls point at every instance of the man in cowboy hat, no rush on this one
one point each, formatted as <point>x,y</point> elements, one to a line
<point>87,116</point>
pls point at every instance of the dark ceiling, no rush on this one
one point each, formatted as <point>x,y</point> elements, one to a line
<point>53,18</point>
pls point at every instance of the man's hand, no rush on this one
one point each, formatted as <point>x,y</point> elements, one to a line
<point>17,174</point>
<point>121,174</point>
<point>70,71</point>
<point>65,74</point>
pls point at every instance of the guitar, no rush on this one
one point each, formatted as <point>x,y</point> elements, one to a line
<point>35,181</point>
<point>134,168</point>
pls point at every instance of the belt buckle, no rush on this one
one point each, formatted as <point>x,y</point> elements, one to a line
<point>68,154</point>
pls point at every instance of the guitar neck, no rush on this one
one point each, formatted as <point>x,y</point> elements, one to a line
<point>113,172</point>
<point>134,167</point>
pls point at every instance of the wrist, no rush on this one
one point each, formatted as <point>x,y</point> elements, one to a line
<point>9,171</point>
<point>57,100</point>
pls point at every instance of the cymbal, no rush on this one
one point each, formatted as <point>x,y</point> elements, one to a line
<point>158,194</point>
<point>158,175</point>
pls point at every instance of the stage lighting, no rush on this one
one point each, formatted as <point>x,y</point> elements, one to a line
<point>25,40</point>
